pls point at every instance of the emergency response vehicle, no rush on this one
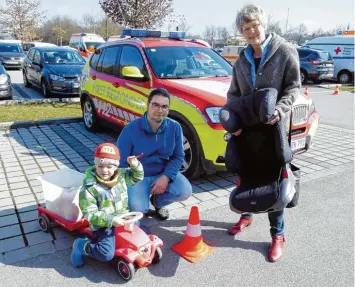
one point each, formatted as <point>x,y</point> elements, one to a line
<point>118,78</point>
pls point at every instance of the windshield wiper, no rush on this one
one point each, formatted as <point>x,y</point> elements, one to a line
<point>172,77</point>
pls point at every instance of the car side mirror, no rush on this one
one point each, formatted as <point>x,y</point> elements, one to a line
<point>132,72</point>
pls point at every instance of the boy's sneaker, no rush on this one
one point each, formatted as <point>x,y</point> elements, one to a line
<point>161,213</point>
<point>78,252</point>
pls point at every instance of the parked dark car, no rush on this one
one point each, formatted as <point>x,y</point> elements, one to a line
<point>11,55</point>
<point>316,65</point>
<point>5,84</point>
<point>56,70</point>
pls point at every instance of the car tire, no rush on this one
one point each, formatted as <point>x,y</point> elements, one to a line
<point>90,119</point>
<point>25,80</point>
<point>45,91</point>
<point>344,77</point>
<point>191,167</point>
<point>304,77</point>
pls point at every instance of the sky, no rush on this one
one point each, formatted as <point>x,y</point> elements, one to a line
<point>199,13</point>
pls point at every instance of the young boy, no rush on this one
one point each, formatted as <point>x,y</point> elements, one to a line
<point>102,197</point>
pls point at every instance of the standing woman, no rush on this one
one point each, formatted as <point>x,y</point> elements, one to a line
<point>267,62</point>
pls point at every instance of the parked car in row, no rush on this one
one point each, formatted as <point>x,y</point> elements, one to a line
<point>119,76</point>
<point>55,70</point>
<point>5,84</point>
<point>11,55</point>
<point>315,65</point>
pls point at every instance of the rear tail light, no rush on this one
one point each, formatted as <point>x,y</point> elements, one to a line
<point>237,182</point>
<point>284,174</point>
<point>315,62</point>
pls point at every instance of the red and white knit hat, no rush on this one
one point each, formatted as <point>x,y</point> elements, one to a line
<point>107,153</point>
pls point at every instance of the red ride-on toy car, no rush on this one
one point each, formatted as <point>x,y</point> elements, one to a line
<point>134,248</point>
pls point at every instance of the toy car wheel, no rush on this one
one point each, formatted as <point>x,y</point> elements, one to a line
<point>44,223</point>
<point>157,256</point>
<point>125,270</point>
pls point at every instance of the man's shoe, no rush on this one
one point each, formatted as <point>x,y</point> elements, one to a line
<point>276,248</point>
<point>78,252</point>
<point>240,225</point>
<point>161,213</point>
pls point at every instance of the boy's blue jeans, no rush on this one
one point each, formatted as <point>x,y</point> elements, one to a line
<point>276,220</point>
<point>103,249</point>
<point>138,195</point>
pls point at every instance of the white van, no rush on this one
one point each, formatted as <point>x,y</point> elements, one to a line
<point>341,48</point>
<point>85,43</point>
<point>231,53</point>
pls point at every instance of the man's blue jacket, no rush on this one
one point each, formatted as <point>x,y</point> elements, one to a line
<point>163,152</point>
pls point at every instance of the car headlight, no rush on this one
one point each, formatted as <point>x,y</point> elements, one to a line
<point>3,79</point>
<point>312,108</point>
<point>56,78</point>
<point>213,114</point>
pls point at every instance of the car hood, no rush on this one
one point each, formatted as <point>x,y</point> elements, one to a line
<point>65,70</point>
<point>212,90</point>
<point>11,54</point>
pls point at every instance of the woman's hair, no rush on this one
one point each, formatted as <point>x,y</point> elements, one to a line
<point>250,12</point>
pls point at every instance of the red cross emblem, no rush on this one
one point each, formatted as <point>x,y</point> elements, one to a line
<point>337,50</point>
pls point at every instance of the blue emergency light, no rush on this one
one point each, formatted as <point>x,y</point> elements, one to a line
<point>153,34</point>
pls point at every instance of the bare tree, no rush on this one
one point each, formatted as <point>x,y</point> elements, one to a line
<point>22,18</point>
<point>274,27</point>
<point>184,26</point>
<point>302,33</point>
<point>137,13</point>
<point>91,23</point>
<point>58,33</point>
<point>210,34</point>
<point>222,34</point>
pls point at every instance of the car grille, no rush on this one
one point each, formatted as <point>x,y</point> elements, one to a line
<point>299,114</point>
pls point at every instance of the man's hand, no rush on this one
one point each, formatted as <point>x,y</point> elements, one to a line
<point>160,184</point>
<point>275,118</point>
<point>117,222</point>
<point>237,132</point>
<point>133,161</point>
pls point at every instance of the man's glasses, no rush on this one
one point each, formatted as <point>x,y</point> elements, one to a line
<point>157,106</point>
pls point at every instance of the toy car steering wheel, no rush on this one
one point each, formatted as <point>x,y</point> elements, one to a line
<point>130,217</point>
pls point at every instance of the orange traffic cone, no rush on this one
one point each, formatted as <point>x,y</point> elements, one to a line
<point>336,92</point>
<point>306,91</point>
<point>192,247</point>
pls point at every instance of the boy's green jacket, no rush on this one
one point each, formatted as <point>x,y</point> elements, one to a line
<point>99,203</point>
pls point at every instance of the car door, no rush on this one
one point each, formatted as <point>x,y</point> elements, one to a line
<point>103,74</point>
<point>134,92</point>
<point>28,65</point>
<point>37,68</point>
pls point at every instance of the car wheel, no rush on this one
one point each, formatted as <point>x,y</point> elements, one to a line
<point>304,77</point>
<point>191,165</point>
<point>45,91</point>
<point>89,115</point>
<point>125,270</point>
<point>344,77</point>
<point>25,80</point>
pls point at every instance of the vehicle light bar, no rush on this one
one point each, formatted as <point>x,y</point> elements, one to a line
<point>153,33</point>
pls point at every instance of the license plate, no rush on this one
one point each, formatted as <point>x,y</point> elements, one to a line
<point>298,144</point>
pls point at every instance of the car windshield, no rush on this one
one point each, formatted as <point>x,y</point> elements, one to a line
<point>10,49</point>
<point>94,44</point>
<point>62,57</point>
<point>187,62</point>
